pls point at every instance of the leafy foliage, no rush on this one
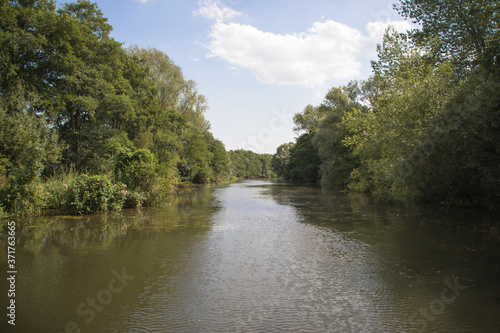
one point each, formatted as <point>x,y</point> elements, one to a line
<point>281,159</point>
<point>246,164</point>
<point>303,166</point>
<point>462,31</point>
<point>90,194</point>
<point>72,98</point>
<point>425,125</point>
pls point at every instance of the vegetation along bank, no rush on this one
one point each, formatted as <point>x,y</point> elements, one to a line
<point>425,126</point>
<point>88,125</point>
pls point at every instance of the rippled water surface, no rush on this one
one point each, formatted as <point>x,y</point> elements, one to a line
<point>257,256</point>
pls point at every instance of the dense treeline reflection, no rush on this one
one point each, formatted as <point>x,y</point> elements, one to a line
<point>466,231</point>
<point>258,256</point>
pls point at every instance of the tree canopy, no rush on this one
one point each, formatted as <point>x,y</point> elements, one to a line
<point>426,124</point>
<point>73,98</point>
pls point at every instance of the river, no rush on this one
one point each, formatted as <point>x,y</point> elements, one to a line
<point>258,256</point>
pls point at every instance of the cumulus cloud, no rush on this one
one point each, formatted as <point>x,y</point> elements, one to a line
<point>327,50</point>
<point>376,31</point>
<point>210,9</point>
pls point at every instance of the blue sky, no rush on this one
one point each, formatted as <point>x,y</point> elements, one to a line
<point>258,62</point>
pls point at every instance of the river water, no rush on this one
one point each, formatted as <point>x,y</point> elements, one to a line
<point>257,256</point>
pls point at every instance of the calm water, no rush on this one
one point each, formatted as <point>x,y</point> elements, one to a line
<point>259,257</point>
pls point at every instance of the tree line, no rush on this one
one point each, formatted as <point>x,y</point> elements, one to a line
<point>89,125</point>
<point>425,126</point>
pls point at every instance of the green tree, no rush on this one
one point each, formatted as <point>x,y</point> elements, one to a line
<point>93,93</point>
<point>246,164</point>
<point>194,165</point>
<point>303,166</point>
<point>463,30</point>
<point>412,96</point>
<point>27,146</point>
<point>281,159</point>
<point>220,160</point>
<point>337,159</point>
<point>25,49</point>
<point>174,91</point>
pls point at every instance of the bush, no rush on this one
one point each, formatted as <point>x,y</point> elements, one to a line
<point>137,169</point>
<point>144,176</point>
<point>358,182</point>
<point>57,186</point>
<point>90,194</point>
<point>134,199</point>
<point>19,196</point>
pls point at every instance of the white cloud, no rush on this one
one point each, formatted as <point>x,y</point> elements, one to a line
<point>234,70</point>
<point>194,59</point>
<point>142,1</point>
<point>376,31</point>
<point>328,50</point>
<point>210,9</point>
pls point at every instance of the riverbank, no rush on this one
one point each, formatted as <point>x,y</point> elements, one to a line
<point>72,193</point>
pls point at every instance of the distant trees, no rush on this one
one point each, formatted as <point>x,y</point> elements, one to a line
<point>426,125</point>
<point>247,164</point>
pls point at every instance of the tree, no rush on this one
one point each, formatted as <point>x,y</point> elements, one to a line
<point>70,95</point>
<point>220,160</point>
<point>412,95</point>
<point>27,147</point>
<point>90,95</point>
<point>281,159</point>
<point>461,30</point>
<point>174,91</point>
<point>337,159</point>
<point>25,49</point>
<point>194,165</point>
<point>246,164</point>
<point>303,166</point>
<point>324,130</point>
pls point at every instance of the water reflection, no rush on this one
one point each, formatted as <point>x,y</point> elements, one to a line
<point>416,249</point>
<point>258,256</point>
<point>64,260</point>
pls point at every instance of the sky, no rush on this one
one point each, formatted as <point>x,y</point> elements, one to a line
<point>258,62</point>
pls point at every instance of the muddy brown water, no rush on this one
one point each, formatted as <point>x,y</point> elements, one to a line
<point>258,256</point>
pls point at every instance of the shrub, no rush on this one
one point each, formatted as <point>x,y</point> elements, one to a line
<point>137,169</point>
<point>358,182</point>
<point>134,199</point>
<point>160,190</point>
<point>57,186</point>
<point>89,194</point>
<point>19,196</point>
<point>145,178</point>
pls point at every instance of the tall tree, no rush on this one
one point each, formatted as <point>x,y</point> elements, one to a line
<point>174,91</point>
<point>304,163</point>
<point>25,66</point>
<point>463,30</point>
<point>85,62</point>
<point>337,159</point>
<point>281,159</point>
